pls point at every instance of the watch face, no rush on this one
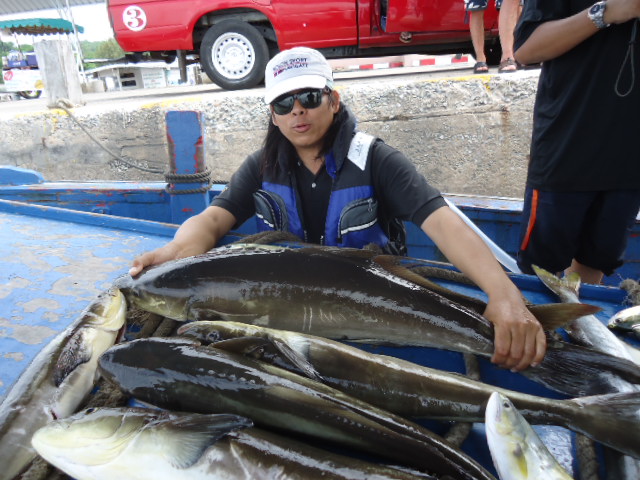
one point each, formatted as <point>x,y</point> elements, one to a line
<point>595,8</point>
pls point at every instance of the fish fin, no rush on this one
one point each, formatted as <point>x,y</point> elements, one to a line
<point>610,419</point>
<point>581,371</point>
<point>556,315</point>
<point>196,313</point>
<point>263,348</point>
<point>192,434</point>
<point>75,352</point>
<point>392,265</point>
<point>569,283</point>
<point>297,359</point>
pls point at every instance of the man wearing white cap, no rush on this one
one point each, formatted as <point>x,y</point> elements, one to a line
<point>320,178</point>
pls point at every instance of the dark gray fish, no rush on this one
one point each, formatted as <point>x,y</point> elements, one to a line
<point>345,294</point>
<point>138,444</point>
<point>416,391</point>
<point>183,376</point>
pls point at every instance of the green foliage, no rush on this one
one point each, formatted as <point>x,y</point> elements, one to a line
<point>107,49</point>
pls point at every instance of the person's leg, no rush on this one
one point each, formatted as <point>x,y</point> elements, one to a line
<point>587,274</point>
<point>507,20</point>
<point>605,233</point>
<point>475,16</point>
<point>551,229</point>
<point>476,28</point>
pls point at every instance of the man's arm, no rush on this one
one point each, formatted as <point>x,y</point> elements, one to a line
<point>557,37</point>
<point>519,339</point>
<point>196,235</point>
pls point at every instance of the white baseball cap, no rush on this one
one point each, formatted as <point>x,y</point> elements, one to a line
<point>295,69</point>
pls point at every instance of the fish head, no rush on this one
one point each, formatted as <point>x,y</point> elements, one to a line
<point>108,311</point>
<point>127,364</point>
<point>626,320</point>
<point>500,414</point>
<point>506,438</point>
<point>90,438</point>
<point>148,296</point>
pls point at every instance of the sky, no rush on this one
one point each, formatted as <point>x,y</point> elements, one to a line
<point>93,18</point>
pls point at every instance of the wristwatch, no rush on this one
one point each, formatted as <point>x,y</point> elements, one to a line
<point>596,14</point>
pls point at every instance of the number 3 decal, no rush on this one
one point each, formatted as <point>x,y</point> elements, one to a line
<point>134,18</point>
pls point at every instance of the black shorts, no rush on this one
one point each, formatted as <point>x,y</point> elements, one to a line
<point>479,5</point>
<point>591,227</point>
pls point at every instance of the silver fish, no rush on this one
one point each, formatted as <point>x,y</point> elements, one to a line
<point>416,391</point>
<point>184,376</point>
<point>345,294</point>
<point>516,449</point>
<point>58,379</point>
<point>627,320</point>
<point>138,444</point>
<point>588,330</point>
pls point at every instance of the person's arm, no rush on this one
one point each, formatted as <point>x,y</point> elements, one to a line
<point>557,37</point>
<point>196,235</point>
<point>519,338</point>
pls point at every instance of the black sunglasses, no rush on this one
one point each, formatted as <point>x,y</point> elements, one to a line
<point>307,98</point>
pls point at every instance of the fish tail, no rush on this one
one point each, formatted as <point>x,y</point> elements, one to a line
<point>569,283</point>
<point>556,315</point>
<point>613,420</point>
<point>581,371</point>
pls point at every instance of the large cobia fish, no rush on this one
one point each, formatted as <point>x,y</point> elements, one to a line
<point>517,451</point>
<point>345,294</point>
<point>139,444</point>
<point>184,376</point>
<point>416,391</point>
<point>58,379</point>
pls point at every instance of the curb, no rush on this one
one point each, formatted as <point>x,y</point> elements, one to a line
<point>400,61</point>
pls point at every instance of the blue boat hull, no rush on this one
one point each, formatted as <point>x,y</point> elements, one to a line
<point>62,243</point>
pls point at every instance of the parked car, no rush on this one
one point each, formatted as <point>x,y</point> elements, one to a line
<point>234,39</point>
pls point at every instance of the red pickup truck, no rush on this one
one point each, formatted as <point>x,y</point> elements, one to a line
<point>236,38</point>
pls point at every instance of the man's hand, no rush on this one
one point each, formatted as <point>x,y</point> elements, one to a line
<point>170,251</point>
<point>620,11</point>
<point>519,341</point>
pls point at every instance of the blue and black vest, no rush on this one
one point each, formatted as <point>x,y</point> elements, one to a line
<point>353,215</point>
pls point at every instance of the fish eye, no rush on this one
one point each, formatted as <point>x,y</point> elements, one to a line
<point>214,337</point>
<point>90,410</point>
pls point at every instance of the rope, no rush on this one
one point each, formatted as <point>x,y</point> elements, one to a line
<point>170,178</point>
<point>199,177</point>
<point>65,105</point>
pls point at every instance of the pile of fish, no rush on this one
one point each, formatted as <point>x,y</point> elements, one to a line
<point>258,382</point>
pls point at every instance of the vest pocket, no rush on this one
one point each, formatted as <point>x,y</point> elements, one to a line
<point>357,215</point>
<point>270,210</point>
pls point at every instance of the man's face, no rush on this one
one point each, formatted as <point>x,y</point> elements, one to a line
<point>304,127</point>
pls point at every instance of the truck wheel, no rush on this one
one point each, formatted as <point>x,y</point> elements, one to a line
<point>30,93</point>
<point>234,54</point>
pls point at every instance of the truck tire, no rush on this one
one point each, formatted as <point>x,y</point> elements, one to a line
<point>233,54</point>
<point>30,94</point>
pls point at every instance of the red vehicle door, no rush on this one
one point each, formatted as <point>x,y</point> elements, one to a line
<point>423,15</point>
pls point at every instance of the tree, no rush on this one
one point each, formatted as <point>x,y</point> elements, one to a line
<point>109,49</point>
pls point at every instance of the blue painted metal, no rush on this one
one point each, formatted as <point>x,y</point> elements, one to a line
<point>19,176</point>
<point>186,156</point>
<point>53,262</point>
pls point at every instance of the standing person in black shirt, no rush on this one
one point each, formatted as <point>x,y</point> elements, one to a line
<point>319,177</point>
<point>583,182</point>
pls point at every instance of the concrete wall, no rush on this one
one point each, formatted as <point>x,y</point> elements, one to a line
<point>465,134</point>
